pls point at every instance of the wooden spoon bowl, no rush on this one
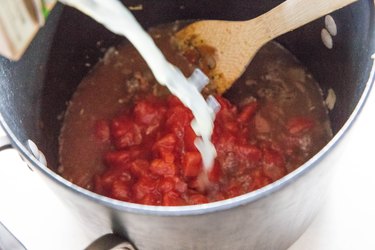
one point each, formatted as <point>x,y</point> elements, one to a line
<point>236,42</point>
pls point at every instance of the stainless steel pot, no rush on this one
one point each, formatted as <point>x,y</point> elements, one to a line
<point>34,92</point>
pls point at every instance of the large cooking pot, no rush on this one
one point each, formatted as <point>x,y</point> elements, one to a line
<point>35,90</point>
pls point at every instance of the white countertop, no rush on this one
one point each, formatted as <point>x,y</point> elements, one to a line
<point>41,221</point>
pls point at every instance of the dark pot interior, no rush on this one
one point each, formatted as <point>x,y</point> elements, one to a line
<point>34,91</point>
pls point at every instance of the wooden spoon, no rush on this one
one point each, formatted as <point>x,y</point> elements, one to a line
<point>237,42</point>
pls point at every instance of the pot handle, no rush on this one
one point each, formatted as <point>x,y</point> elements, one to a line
<point>111,242</point>
<point>4,143</point>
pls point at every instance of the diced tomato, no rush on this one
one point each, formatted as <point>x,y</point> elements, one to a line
<point>119,159</point>
<point>180,186</point>
<point>233,191</point>
<point>121,190</point>
<point>173,198</point>
<point>151,199</point>
<point>195,199</point>
<point>160,167</point>
<point>130,139</point>
<point>102,131</point>
<point>144,186</point>
<point>168,157</point>
<point>224,116</point>
<point>120,126</point>
<point>224,103</point>
<point>154,161</point>
<point>140,168</point>
<point>126,133</point>
<point>224,143</point>
<point>138,153</point>
<point>194,184</point>
<point>166,184</point>
<point>166,144</point>
<point>215,173</point>
<point>189,139</point>
<point>178,118</point>
<point>192,164</point>
<point>173,101</point>
<point>112,175</point>
<point>259,182</point>
<point>231,126</point>
<point>149,113</point>
<point>249,152</point>
<point>107,178</point>
<point>273,157</point>
<point>299,125</point>
<point>247,112</point>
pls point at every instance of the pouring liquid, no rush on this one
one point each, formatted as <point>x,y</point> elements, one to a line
<point>115,17</point>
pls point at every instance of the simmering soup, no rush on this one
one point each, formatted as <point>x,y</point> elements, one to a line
<point>126,137</point>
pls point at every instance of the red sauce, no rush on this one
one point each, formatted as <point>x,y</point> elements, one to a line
<point>155,162</point>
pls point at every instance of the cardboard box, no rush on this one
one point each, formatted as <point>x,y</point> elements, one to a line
<point>20,20</point>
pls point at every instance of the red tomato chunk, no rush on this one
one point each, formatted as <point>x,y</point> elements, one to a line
<point>154,160</point>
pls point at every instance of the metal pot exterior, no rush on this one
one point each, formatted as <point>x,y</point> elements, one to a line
<point>270,218</point>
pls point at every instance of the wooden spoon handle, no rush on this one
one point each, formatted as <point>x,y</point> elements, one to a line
<point>293,14</point>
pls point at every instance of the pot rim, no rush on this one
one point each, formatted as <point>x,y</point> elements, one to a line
<point>201,208</point>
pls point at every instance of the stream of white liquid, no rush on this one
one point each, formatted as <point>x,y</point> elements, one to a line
<point>118,19</point>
